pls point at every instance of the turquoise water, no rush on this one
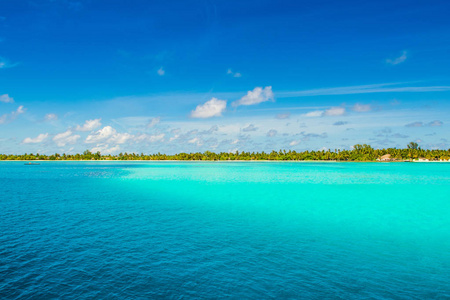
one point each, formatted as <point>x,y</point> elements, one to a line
<point>133,230</point>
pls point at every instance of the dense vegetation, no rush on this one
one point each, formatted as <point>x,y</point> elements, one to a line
<point>359,153</point>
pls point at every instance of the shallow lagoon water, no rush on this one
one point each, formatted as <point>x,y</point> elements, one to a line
<point>224,230</point>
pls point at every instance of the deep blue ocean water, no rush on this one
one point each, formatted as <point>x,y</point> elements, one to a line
<point>136,230</point>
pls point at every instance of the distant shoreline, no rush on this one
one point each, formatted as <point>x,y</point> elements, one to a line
<point>358,153</point>
<point>227,161</point>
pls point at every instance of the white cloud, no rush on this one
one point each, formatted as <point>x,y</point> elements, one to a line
<point>294,143</point>
<point>258,95</point>
<point>108,135</point>
<point>316,113</point>
<point>89,125</point>
<point>5,98</point>
<point>120,138</point>
<point>157,137</point>
<point>141,137</point>
<point>335,111</point>
<point>197,141</point>
<point>40,138</point>
<point>100,135</point>
<point>161,72</point>
<point>20,110</point>
<point>398,60</point>
<point>153,122</point>
<point>250,127</point>
<point>212,108</point>
<point>64,138</point>
<point>51,117</point>
<point>362,107</point>
<point>175,137</point>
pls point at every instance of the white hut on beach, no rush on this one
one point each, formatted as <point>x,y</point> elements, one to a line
<point>386,157</point>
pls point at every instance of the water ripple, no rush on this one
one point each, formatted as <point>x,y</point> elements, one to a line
<point>241,231</point>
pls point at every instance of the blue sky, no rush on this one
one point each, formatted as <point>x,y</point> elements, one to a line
<point>173,76</point>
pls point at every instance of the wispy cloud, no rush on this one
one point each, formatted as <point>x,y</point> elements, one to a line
<point>363,89</point>
<point>40,138</point>
<point>50,117</point>
<point>149,138</point>
<point>5,98</point>
<point>398,60</point>
<point>192,98</point>
<point>415,124</point>
<point>196,141</point>
<point>4,63</point>
<point>161,71</point>
<point>272,133</point>
<point>211,108</point>
<point>340,123</point>
<point>358,107</point>
<point>6,118</point>
<point>334,111</point>
<point>283,116</point>
<point>435,123</point>
<point>234,74</point>
<point>153,122</point>
<point>422,124</point>
<point>64,138</point>
<point>316,113</point>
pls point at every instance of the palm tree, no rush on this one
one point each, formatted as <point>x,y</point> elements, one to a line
<point>413,146</point>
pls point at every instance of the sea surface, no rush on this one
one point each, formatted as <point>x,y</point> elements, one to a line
<point>215,230</point>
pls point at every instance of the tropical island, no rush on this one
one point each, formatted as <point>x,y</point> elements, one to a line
<point>359,152</point>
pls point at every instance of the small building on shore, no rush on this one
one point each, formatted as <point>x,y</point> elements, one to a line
<point>386,157</point>
<point>422,159</point>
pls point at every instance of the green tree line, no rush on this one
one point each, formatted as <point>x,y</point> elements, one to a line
<point>358,153</point>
